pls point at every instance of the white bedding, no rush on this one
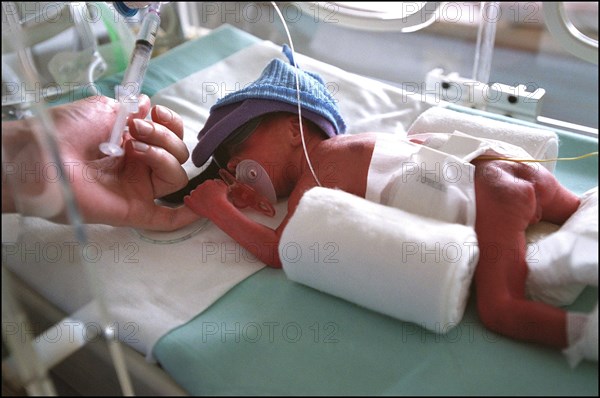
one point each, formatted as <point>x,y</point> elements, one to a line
<point>149,288</point>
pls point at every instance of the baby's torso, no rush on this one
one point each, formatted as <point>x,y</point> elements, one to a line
<point>342,162</point>
<point>432,177</point>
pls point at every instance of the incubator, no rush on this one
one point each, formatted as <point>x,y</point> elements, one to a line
<point>129,53</point>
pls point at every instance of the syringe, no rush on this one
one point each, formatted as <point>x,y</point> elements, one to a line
<point>127,93</point>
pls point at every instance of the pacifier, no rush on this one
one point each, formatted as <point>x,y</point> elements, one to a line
<point>252,187</point>
<point>252,173</point>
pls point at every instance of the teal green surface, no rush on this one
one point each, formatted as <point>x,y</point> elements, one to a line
<point>577,175</point>
<point>271,336</point>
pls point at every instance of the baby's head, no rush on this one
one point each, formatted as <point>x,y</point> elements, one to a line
<point>234,117</point>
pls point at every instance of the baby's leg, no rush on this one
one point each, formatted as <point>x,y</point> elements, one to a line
<point>510,197</point>
<point>555,201</point>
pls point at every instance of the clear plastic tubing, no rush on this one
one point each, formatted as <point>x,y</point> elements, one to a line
<point>127,93</point>
<point>485,40</point>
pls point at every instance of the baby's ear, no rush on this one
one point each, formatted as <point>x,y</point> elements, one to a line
<point>296,136</point>
<point>295,129</point>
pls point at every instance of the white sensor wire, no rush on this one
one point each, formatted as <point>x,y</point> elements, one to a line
<point>297,93</point>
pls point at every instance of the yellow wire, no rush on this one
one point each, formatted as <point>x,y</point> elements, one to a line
<point>587,155</point>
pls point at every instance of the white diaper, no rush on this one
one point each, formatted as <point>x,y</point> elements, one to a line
<point>435,179</point>
<point>565,260</point>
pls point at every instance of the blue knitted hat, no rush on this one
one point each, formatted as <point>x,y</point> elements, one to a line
<point>273,91</point>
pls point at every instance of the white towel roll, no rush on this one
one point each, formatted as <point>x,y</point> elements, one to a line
<point>539,143</point>
<point>406,266</point>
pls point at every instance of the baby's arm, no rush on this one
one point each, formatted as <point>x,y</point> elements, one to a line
<point>210,200</point>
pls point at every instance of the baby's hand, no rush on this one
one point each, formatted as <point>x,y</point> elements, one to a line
<point>243,195</point>
<point>207,198</point>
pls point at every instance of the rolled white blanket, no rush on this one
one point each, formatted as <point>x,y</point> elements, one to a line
<point>539,143</point>
<point>410,267</point>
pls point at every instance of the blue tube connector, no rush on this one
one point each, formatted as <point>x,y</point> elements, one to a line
<point>124,10</point>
